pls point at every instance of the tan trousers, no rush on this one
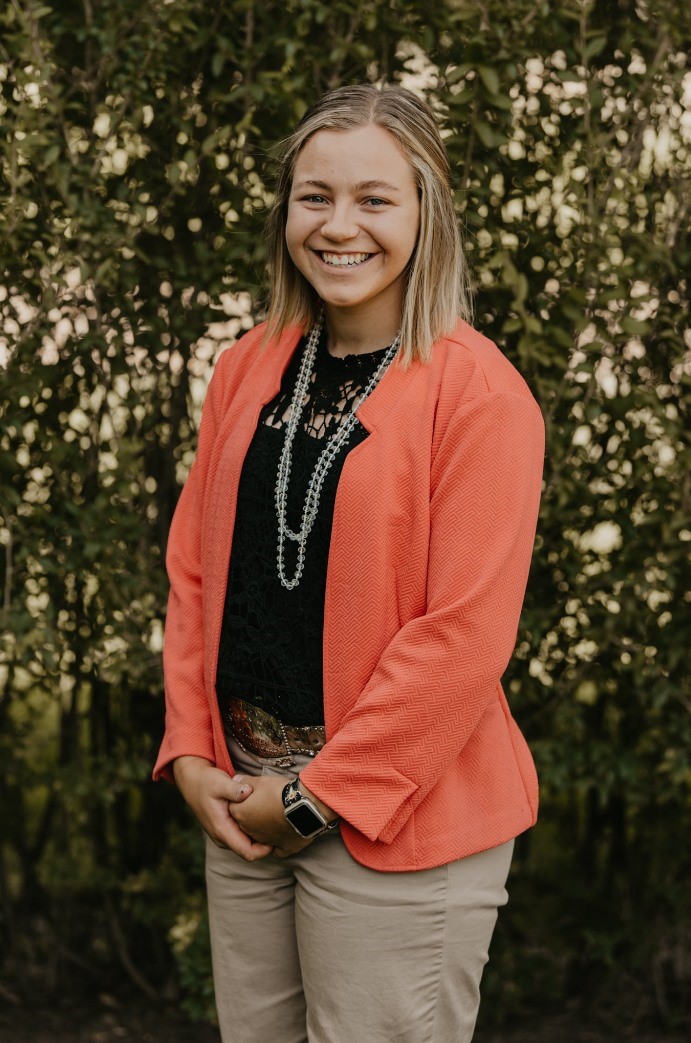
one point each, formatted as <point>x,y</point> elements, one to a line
<point>317,948</point>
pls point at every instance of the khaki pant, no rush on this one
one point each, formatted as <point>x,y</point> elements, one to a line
<point>319,949</point>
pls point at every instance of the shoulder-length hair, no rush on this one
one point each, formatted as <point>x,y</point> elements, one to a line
<point>437,290</point>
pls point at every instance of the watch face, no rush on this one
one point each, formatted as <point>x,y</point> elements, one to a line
<point>304,819</point>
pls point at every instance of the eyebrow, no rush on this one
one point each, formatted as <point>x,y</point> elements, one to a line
<point>362,186</point>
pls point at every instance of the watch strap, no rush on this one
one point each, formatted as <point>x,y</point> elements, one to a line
<point>292,794</point>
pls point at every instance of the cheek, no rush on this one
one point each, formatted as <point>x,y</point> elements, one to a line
<point>408,242</point>
<point>414,233</point>
<point>289,231</point>
<point>295,236</point>
<point>415,225</point>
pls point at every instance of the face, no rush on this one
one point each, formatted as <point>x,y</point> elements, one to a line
<point>353,220</point>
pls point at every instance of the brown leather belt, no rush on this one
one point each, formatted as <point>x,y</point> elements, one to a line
<point>262,734</point>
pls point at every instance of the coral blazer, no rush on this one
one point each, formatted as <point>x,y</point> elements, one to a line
<point>431,544</point>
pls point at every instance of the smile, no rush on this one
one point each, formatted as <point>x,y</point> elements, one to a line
<point>343,260</point>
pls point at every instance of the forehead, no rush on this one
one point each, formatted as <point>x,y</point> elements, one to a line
<point>351,156</point>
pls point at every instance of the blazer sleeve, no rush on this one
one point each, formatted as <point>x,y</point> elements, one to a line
<point>442,669</point>
<point>188,727</point>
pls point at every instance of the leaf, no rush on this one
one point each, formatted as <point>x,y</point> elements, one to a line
<point>634,326</point>
<point>455,74</point>
<point>461,99</point>
<point>50,155</point>
<point>489,78</point>
<point>485,133</point>
<point>500,101</point>
<point>595,46</point>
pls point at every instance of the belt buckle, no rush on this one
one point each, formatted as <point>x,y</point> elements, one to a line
<point>265,730</point>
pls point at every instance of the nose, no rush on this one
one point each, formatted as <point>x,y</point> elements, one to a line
<point>339,224</point>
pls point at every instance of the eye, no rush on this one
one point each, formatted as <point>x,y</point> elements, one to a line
<point>314,198</point>
<point>376,202</point>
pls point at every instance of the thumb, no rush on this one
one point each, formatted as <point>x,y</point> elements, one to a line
<point>238,788</point>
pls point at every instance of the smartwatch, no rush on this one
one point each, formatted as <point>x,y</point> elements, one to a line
<point>306,819</point>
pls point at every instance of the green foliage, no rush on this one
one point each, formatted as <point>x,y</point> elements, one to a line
<point>190,942</point>
<point>135,144</point>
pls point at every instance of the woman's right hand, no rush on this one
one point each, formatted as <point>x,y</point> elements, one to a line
<point>208,791</point>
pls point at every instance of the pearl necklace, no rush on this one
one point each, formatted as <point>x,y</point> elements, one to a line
<point>326,457</point>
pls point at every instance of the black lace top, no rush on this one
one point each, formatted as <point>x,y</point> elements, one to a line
<point>271,638</point>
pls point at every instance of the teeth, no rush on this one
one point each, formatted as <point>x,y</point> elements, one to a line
<point>344,259</point>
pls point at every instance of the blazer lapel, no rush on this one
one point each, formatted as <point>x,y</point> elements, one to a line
<point>389,389</point>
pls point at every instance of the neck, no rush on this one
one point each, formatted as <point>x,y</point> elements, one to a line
<point>349,334</point>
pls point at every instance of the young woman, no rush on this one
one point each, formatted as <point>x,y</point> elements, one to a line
<point>348,561</point>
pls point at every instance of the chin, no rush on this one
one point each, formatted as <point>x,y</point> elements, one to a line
<point>343,302</point>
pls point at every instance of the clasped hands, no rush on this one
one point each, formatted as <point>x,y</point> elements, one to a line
<point>242,813</point>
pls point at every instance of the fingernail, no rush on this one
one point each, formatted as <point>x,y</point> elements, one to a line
<point>243,790</point>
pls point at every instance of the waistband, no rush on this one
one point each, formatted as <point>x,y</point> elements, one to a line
<point>260,733</point>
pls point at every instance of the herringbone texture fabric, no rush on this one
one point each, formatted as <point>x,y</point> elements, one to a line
<point>432,537</point>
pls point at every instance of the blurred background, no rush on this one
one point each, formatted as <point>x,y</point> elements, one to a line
<point>135,171</point>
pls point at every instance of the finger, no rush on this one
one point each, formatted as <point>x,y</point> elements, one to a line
<point>238,841</point>
<point>236,789</point>
<point>252,850</point>
<point>282,852</point>
<point>233,811</point>
<point>243,846</point>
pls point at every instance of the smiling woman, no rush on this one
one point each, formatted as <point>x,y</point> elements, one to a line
<point>348,561</point>
<point>353,248</point>
<point>398,148</point>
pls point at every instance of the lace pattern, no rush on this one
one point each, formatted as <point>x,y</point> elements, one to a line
<point>271,638</point>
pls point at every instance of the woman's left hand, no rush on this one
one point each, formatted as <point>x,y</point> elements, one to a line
<point>261,816</point>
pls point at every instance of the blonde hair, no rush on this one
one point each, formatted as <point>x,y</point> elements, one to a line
<point>437,281</point>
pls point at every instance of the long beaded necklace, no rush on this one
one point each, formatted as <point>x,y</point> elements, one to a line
<point>326,457</point>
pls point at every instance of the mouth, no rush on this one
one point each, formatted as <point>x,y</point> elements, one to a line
<point>343,260</point>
